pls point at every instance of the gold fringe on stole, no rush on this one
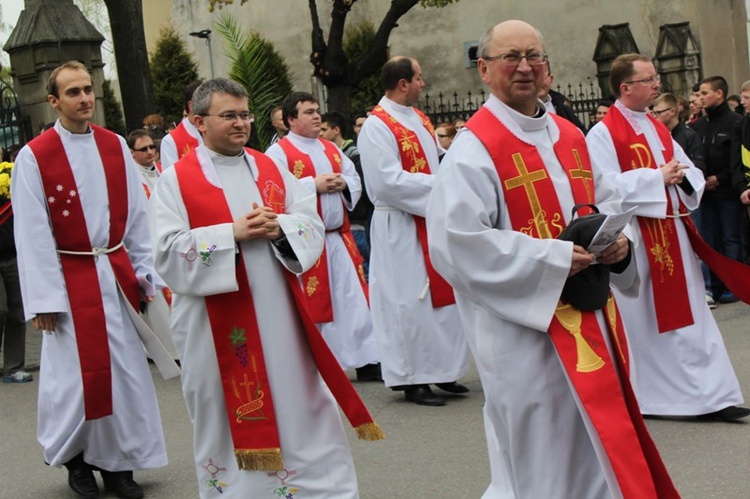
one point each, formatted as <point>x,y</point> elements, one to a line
<point>370,431</point>
<point>259,459</point>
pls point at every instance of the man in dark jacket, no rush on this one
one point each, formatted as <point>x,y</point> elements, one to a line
<point>12,324</point>
<point>554,101</point>
<point>721,209</point>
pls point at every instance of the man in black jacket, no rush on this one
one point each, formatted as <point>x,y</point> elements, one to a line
<point>554,101</point>
<point>721,209</point>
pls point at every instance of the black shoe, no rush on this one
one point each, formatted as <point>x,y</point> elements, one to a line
<point>452,387</point>
<point>369,372</point>
<point>731,413</point>
<point>80,477</point>
<point>122,484</point>
<point>423,395</point>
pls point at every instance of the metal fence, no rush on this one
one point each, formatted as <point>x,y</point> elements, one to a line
<point>441,108</point>
<point>15,131</point>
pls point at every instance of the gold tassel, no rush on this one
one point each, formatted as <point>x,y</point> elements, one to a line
<point>370,431</point>
<point>259,459</point>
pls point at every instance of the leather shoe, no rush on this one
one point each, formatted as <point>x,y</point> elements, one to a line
<point>452,387</point>
<point>731,413</point>
<point>122,484</point>
<point>81,480</point>
<point>423,395</point>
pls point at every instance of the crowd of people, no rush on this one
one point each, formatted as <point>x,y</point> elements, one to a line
<point>392,253</point>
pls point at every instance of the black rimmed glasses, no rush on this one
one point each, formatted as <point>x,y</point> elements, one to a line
<point>514,58</point>
<point>232,116</point>
<point>648,81</point>
<point>657,112</point>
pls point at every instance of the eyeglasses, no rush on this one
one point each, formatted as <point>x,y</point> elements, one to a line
<point>514,58</point>
<point>656,113</point>
<point>648,81</point>
<point>231,116</point>
<point>440,136</point>
<point>146,148</point>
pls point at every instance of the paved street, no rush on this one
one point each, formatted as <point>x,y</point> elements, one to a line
<point>429,452</point>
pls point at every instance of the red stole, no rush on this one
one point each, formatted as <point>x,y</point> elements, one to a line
<point>239,351</point>
<point>414,160</point>
<point>183,141</point>
<point>316,281</point>
<point>81,279</point>
<point>659,234</point>
<point>534,209</point>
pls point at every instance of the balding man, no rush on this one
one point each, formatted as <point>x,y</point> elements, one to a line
<point>680,366</point>
<point>560,417</point>
<point>413,309</point>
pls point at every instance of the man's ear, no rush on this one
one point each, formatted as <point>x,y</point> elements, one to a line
<point>53,101</point>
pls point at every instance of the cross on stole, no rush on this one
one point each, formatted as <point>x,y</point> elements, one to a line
<point>584,175</point>
<point>526,180</point>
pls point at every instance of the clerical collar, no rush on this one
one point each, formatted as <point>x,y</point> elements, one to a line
<point>301,139</point>
<point>636,119</point>
<point>224,160</point>
<point>64,132</point>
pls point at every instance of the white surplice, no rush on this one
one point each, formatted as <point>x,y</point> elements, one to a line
<point>350,335</point>
<point>157,311</point>
<point>168,149</point>
<point>131,438</point>
<point>314,447</point>
<point>541,443</point>
<point>687,371</point>
<point>418,344</point>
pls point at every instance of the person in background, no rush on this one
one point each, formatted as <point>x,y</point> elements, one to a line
<point>413,308</point>
<point>332,128</point>
<point>184,137</point>
<point>445,132</point>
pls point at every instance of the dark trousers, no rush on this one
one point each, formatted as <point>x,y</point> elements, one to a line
<point>12,325</point>
<point>721,226</point>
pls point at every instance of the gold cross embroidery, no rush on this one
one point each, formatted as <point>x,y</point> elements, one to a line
<point>584,175</point>
<point>526,180</point>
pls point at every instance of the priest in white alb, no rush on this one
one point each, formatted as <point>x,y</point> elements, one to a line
<point>560,417</point>
<point>679,364</point>
<point>413,308</point>
<point>185,136</point>
<point>85,260</point>
<point>231,231</point>
<point>336,285</point>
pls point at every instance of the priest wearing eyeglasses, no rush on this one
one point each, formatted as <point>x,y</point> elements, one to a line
<point>231,230</point>
<point>679,364</point>
<point>545,332</point>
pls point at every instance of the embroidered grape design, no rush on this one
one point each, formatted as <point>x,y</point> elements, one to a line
<point>239,345</point>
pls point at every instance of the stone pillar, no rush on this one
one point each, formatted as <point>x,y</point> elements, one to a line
<point>678,59</point>
<point>613,40</point>
<point>49,33</point>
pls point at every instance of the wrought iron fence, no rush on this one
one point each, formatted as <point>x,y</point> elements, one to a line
<point>441,108</point>
<point>14,130</point>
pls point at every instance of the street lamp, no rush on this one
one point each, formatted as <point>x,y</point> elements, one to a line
<point>206,35</point>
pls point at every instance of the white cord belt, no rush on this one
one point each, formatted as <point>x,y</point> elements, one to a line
<point>95,251</point>
<point>678,215</point>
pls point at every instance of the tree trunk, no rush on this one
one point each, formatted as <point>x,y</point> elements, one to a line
<point>339,97</point>
<point>129,40</point>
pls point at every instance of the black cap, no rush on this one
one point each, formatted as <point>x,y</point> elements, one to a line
<point>588,289</point>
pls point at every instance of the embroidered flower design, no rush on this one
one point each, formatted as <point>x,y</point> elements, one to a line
<point>72,193</point>
<point>59,188</point>
<point>66,213</point>
<point>51,199</point>
<point>206,255</point>
<point>285,492</point>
